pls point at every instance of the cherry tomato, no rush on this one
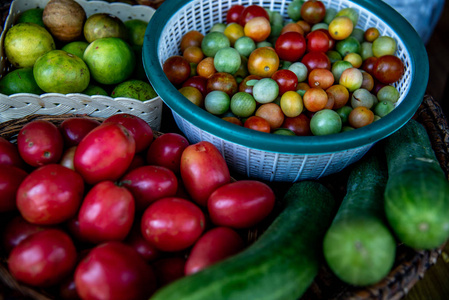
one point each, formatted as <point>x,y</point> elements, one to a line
<point>322,78</point>
<point>313,11</point>
<point>191,38</point>
<point>166,151</point>
<point>137,127</point>
<point>40,142</point>
<point>314,60</point>
<point>107,213</point>
<point>114,271</point>
<point>258,28</point>
<point>244,87</point>
<point>172,224</point>
<point>388,69</point>
<point>203,169</point>
<point>257,123</point>
<point>213,246</point>
<point>360,116</point>
<point>315,99</point>
<point>252,11</point>
<point>368,64</point>
<point>286,79</point>
<point>43,259</point>
<point>10,179</point>
<point>317,41</point>
<point>233,14</point>
<point>105,153</point>
<point>9,154</point>
<point>50,194</point>
<point>222,81</point>
<point>300,125</point>
<point>241,204</point>
<point>74,129</point>
<point>198,82</point>
<point>290,46</point>
<point>177,69</point>
<point>272,113</point>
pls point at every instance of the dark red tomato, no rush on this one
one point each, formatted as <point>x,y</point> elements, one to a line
<point>368,64</point>
<point>149,183</point>
<point>290,46</point>
<point>136,240</point>
<point>107,213</point>
<point>317,41</point>
<point>313,11</point>
<point>331,40</point>
<point>114,271</point>
<point>10,179</point>
<point>314,60</point>
<point>286,79</point>
<point>203,169</point>
<point>9,154</point>
<point>177,69</point>
<point>213,246</point>
<point>17,230</point>
<point>169,269</point>
<point>257,123</point>
<point>252,11</point>
<point>105,153</point>
<point>67,158</point>
<point>137,127</point>
<point>139,160</point>
<point>40,143</point>
<point>50,194</point>
<point>43,259</point>
<point>73,228</point>
<point>244,87</point>
<point>388,69</point>
<point>233,14</point>
<point>222,81</point>
<point>198,82</point>
<point>172,224</point>
<point>300,125</point>
<point>166,151</point>
<point>241,204</point>
<point>74,129</point>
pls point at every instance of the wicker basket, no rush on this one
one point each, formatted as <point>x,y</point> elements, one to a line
<point>410,266</point>
<point>269,156</point>
<point>21,105</point>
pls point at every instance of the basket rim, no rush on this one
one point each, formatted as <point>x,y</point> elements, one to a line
<point>292,144</point>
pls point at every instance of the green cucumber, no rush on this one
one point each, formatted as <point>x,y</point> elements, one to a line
<point>359,247</point>
<point>281,264</point>
<point>417,191</point>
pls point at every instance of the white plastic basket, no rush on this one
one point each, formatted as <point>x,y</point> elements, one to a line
<point>268,156</point>
<point>20,105</point>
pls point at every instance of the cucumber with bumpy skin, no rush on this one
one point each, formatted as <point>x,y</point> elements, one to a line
<point>359,247</point>
<point>417,191</point>
<point>281,264</point>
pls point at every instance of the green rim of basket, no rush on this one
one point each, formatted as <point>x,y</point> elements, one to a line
<point>292,144</point>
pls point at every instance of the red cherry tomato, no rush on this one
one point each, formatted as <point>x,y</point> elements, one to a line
<point>212,247</point>
<point>137,127</point>
<point>107,213</point>
<point>290,46</point>
<point>286,79</point>
<point>9,154</point>
<point>40,143</point>
<point>149,183</point>
<point>50,194</point>
<point>172,224</point>
<point>43,259</point>
<point>114,271</point>
<point>10,179</point>
<point>300,125</point>
<point>314,60</point>
<point>198,82</point>
<point>252,11</point>
<point>313,11</point>
<point>105,153</point>
<point>233,14</point>
<point>241,204</point>
<point>203,169</point>
<point>74,129</point>
<point>166,151</point>
<point>257,123</point>
<point>317,41</point>
<point>331,40</point>
<point>388,69</point>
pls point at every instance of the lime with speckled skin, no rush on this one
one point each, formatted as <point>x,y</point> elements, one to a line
<point>19,81</point>
<point>32,15</point>
<point>77,48</point>
<point>26,42</point>
<point>58,71</point>
<point>136,89</point>
<point>136,31</point>
<point>92,90</point>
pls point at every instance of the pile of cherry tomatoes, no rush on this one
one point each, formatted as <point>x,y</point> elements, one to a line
<point>315,73</point>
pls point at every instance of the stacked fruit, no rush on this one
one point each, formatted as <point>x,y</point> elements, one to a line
<point>58,49</point>
<point>111,210</point>
<point>315,73</point>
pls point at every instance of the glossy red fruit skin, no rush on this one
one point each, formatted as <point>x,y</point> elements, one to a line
<point>50,195</point>
<point>74,129</point>
<point>105,153</point>
<point>10,179</point>
<point>17,230</point>
<point>166,151</point>
<point>9,154</point>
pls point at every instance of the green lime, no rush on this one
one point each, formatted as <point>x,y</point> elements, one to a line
<point>136,89</point>
<point>227,60</point>
<point>136,31</point>
<point>243,104</point>
<point>217,102</point>
<point>76,48</point>
<point>214,41</point>
<point>32,15</point>
<point>26,42</point>
<point>92,90</point>
<point>19,81</point>
<point>110,60</point>
<point>58,71</point>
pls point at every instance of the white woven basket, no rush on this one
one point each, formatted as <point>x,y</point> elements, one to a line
<point>20,105</point>
<point>294,158</point>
